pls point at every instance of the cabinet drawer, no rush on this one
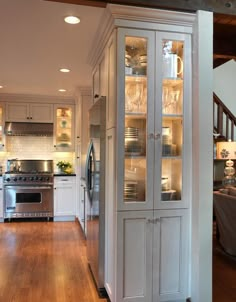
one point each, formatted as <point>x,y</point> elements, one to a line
<point>64,179</point>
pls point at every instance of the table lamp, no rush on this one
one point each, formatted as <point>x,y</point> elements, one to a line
<point>227,150</point>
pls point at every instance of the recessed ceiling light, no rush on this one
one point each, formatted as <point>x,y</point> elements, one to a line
<point>64,70</point>
<point>72,20</point>
<point>62,90</point>
<point>1,86</point>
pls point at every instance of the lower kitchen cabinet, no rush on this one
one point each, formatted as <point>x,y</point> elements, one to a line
<point>151,258</point>
<point>64,198</point>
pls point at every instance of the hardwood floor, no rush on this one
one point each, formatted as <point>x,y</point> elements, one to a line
<point>224,275</point>
<point>44,261</point>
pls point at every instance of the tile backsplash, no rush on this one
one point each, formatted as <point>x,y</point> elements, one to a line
<point>33,147</point>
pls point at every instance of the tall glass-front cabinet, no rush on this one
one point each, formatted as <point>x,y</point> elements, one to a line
<point>154,150</point>
<point>148,167</point>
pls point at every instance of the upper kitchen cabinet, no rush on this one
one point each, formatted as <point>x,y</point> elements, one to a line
<point>64,128</point>
<point>29,112</point>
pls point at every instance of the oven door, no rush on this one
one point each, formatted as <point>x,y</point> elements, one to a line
<point>24,201</point>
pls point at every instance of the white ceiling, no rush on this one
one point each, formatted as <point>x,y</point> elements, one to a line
<point>35,43</point>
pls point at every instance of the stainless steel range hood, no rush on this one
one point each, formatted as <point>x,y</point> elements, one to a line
<point>28,129</point>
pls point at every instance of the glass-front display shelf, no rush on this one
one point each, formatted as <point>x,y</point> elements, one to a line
<point>135,119</point>
<point>63,127</point>
<point>172,120</point>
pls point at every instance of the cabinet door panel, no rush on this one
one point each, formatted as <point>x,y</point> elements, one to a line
<point>134,270</point>
<point>170,255</point>
<point>136,114</point>
<point>17,112</point>
<point>172,121</point>
<point>42,113</point>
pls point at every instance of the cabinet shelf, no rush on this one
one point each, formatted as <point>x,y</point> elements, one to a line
<point>172,81</point>
<point>135,77</point>
<point>135,115</point>
<point>172,116</point>
<point>133,156</point>
<point>171,157</point>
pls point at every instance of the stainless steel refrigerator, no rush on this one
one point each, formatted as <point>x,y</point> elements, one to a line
<point>95,187</point>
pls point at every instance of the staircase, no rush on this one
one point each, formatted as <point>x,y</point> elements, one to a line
<point>224,121</point>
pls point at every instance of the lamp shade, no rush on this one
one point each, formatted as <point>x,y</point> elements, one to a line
<point>226,150</point>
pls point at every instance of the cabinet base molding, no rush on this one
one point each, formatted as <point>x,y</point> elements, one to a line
<point>63,218</point>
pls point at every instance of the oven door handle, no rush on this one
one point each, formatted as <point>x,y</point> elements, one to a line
<point>30,187</point>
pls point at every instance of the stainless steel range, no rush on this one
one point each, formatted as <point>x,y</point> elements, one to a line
<point>28,189</point>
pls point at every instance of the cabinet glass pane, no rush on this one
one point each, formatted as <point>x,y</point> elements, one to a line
<point>172,119</point>
<point>63,127</point>
<point>135,119</point>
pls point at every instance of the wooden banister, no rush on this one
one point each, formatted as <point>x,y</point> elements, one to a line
<point>224,119</point>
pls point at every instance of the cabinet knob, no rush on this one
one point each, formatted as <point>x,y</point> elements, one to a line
<point>27,118</point>
<point>156,220</point>
<point>157,135</point>
<point>55,146</point>
<point>149,220</point>
<point>96,96</point>
<point>31,118</point>
<point>3,145</point>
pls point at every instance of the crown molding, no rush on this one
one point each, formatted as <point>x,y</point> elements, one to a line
<point>135,17</point>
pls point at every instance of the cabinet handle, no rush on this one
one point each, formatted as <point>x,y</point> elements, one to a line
<point>150,135</point>
<point>156,220</point>
<point>149,220</point>
<point>157,136</point>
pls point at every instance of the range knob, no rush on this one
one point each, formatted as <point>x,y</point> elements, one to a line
<point>40,178</point>
<point>31,178</point>
<point>20,178</point>
<point>8,179</point>
<point>15,178</point>
<point>36,178</point>
<point>24,178</point>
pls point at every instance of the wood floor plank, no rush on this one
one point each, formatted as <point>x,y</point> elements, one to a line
<point>44,261</point>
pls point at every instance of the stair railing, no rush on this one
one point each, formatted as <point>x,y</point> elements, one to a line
<point>224,120</point>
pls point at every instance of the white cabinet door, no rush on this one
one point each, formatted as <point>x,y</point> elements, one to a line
<point>29,112</point>
<point>17,112</point>
<point>64,197</point>
<point>170,255</point>
<point>41,113</point>
<point>134,256</point>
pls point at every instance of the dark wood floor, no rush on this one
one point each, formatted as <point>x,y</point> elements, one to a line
<point>224,275</point>
<point>44,261</point>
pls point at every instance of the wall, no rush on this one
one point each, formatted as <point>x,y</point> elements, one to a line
<point>33,147</point>
<point>224,84</point>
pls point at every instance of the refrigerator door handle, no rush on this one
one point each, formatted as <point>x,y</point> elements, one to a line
<point>89,171</point>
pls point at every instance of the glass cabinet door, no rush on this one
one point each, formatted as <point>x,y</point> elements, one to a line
<point>173,92</point>
<point>138,74</point>
<point>64,129</point>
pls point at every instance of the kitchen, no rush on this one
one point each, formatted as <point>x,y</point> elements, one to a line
<point>128,165</point>
<point>42,109</point>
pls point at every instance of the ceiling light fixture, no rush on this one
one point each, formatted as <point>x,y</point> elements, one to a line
<point>64,70</point>
<point>1,86</point>
<point>62,90</point>
<point>72,20</point>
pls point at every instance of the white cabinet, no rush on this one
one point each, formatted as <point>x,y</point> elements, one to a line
<point>1,201</point>
<point>148,186</point>
<point>64,121</point>
<point>64,198</point>
<point>29,112</point>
